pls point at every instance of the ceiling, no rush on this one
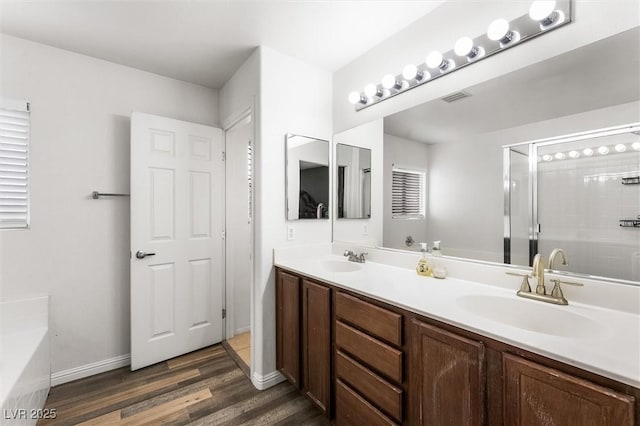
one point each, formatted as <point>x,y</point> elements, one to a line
<point>599,75</point>
<point>204,42</point>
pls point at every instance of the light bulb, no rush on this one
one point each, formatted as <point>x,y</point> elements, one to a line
<point>463,46</point>
<point>372,90</point>
<point>560,156</point>
<point>603,150</point>
<point>547,157</point>
<point>620,147</point>
<point>636,146</point>
<point>574,154</point>
<point>409,72</point>
<point>434,59</point>
<point>541,9</point>
<point>498,29</point>
<point>355,97</point>
<point>588,152</point>
<point>389,81</point>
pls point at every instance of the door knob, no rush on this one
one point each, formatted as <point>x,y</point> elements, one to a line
<point>141,255</point>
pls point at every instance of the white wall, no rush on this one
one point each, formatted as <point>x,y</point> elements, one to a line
<point>289,97</point>
<point>77,249</point>
<point>408,154</point>
<point>369,136</point>
<point>593,20</point>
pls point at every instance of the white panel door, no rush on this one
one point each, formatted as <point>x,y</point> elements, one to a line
<point>177,214</point>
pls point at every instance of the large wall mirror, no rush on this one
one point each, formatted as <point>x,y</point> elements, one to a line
<point>307,178</point>
<point>353,178</point>
<point>454,153</point>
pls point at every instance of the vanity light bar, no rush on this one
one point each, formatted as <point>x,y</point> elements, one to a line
<point>543,16</point>
<point>598,151</point>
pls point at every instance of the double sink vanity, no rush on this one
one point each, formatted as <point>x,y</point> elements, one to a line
<point>375,343</point>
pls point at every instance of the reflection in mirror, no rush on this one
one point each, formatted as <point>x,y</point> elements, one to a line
<point>353,179</point>
<point>307,178</point>
<point>582,193</point>
<point>459,146</point>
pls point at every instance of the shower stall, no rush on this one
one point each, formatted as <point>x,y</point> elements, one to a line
<point>579,192</point>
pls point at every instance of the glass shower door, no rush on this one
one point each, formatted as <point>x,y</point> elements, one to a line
<point>518,186</point>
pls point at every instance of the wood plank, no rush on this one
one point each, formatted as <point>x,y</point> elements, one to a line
<point>162,411</point>
<point>195,357</point>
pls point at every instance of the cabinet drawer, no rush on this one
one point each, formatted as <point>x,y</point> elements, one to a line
<point>381,357</point>
<point>368,384</point>
<point>352,409</point>
<point>379,322</point>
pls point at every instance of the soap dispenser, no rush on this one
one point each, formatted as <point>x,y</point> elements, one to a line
<point>423,267</point>
<point>437,268</point>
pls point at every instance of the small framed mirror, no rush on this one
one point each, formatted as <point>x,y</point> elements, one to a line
<point>353,168</point>
<point>307,178</point>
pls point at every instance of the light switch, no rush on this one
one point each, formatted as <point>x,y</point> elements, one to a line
<point>291,233</point>
<point>365,229</point>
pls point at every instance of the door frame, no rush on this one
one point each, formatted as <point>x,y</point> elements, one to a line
<point>229,323</point>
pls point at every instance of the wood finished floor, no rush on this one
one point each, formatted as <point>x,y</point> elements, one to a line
<point>204,387</point>
<point>241,344</point>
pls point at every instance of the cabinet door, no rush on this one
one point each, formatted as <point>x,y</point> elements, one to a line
<point>538,395</point>
<point>288,326</point>
<point>316,343</point>
<point>447,378</point>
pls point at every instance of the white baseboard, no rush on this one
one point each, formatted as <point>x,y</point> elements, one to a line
<point>242,330</point>
<point>268,380</point>
<point>60,377</point>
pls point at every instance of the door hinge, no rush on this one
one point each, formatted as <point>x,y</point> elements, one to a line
<point>224,313</point>
<point>224,234</point>
<point>224,156</point>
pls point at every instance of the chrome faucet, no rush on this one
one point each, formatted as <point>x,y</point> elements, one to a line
<point>353,257</point>
<point>555,253</point>
<point>537,271</point>
<point>319,211</point>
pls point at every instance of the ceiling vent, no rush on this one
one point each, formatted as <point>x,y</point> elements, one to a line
<point>456,96</point>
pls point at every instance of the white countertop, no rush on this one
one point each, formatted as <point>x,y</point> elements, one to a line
<point>601,340</point>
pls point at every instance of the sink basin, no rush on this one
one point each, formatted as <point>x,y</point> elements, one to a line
<point>340,266</point>
<point>529,315</point>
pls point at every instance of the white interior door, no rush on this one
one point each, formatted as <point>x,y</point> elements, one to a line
<point>239,268</point>
<point>177,208</point>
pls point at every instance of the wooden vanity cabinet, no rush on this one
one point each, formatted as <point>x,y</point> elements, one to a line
<point>448,377</point>
<point>288,326</point>
<point>539,395</point>
<point>316,343</point>
<point>303,336</point>
<point>366,362</point>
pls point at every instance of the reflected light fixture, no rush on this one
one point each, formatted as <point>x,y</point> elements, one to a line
<point>357,98</point>
<point>547,157</point>
<point>464,47</point>
<point>574,154</point>
<point>499,31</point>
<point>411,72</point>
<point>371,90</point>
<point>544,11</point>
<point>389,81</point>
<point>560,156</point>
<point>435,60</point>
<point>588,152</point>
<point>603,150</point>
<point>636,146</point>
<point>620,147</point>
<point>537,18</point>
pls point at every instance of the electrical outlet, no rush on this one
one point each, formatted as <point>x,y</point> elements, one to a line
<point>291,233</point>
<point>365,229</point>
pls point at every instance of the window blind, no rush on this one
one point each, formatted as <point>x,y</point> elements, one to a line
<point>407,194</point>
<point>14,168</point>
